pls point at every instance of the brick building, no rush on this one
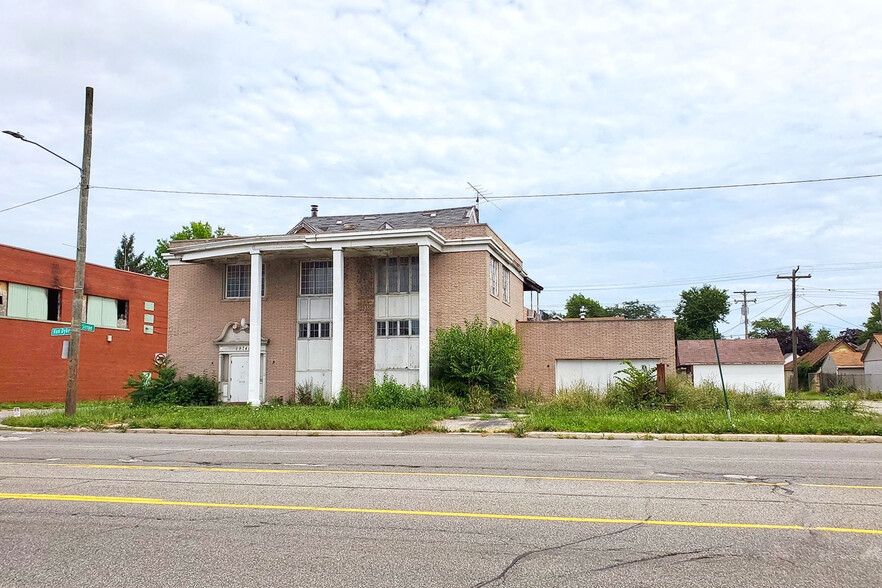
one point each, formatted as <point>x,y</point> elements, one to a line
<point>343,299</point>
<point>129,311</point>
<point>562,354</point>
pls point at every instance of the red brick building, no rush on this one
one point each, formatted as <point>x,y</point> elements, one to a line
<point>129,311</point>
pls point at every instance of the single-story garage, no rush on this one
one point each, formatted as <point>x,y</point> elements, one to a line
<point>587,352</point>
<point>749,365</point>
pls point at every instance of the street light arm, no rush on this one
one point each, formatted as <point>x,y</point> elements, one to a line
<point>22,137</point>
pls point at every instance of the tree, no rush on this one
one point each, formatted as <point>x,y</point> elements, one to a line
<point>126,259</point>
<point>761,327</point>
<point>804,342</point>
<point>195,230</point>
<point>698,310</point>
<point>850,336</point>
<point>633,309</point>
<point>873,324</point>
<point>576,302</point>
<point>823,336</point>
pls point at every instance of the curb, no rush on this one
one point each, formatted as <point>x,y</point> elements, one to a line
<point>708,437</point>
<point>268,432</point>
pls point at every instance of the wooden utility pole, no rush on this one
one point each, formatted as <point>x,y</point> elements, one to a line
<point>794,377</point>
<point>744,302</point>
<point>76,318</point>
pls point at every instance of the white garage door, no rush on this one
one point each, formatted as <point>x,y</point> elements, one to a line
<point>594,373</point>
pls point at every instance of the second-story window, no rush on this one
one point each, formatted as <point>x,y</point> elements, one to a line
<point>494,277</point>
<point>237,282</point>
<point>316,277</point>
<point>398,275</point>
<point>506,284</point>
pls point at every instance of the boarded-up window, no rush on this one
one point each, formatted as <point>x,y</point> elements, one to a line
<point>101,312</point>
<point>28,302</point>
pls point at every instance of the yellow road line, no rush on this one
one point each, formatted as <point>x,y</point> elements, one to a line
<point>373,473</point>
<point>159,502</point>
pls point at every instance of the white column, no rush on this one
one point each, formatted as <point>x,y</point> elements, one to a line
<point>424,316</point>
<point>255,305</point>
<point>337,332</point>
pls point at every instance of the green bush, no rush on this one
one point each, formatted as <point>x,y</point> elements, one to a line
<point>391,394</point>
<point>160,386</point>
<point>478,356</point>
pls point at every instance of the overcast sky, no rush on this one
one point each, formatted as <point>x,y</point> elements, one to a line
<point>392,99</point>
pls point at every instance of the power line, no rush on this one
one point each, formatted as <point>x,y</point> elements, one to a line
<point>40,199</point>
<point>504,197</point>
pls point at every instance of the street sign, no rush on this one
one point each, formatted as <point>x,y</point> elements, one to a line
<point>61,331</point>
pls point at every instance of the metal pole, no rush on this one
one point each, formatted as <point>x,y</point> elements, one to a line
<point>720,366</point>
<point>76,318</point>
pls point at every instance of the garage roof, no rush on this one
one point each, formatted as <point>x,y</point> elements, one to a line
<point>732,352</point>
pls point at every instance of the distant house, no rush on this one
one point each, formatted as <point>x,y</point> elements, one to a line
<point>872,358</point>
<point>128,311</point>
<point>814,358</point>
<point>842,368</point>
<point>748,364</point>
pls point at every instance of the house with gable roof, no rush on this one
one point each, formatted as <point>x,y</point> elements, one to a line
<point>336,300</point>
<point>747,364</point>
<point>872,358</point>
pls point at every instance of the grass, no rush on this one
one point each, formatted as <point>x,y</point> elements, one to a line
<point>797,421</point>
<point>121,413</point>
<point>11,405</point>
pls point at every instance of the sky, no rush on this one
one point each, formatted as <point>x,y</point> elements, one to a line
<point>384,100</point>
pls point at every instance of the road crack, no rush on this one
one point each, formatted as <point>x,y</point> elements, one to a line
<point>526,554</point>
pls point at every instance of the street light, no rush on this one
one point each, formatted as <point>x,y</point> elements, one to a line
<point>802,310</point>
<point>76,318</point>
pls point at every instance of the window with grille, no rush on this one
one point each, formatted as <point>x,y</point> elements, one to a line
<point>398,275</point>
<point>313,330</point>
<point>494,277</point>
<point>238,281</point>
<point>316,277</point>
<point>398,328</point>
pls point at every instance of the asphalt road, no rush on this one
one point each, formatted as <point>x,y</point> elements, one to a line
<point>114,509</point>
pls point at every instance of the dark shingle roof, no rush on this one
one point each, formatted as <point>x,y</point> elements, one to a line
<point>732,351</point>
<point>442,217</point>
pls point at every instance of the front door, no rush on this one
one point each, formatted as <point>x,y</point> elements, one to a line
<point>238,378</point>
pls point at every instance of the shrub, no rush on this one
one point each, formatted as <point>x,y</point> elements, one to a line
<point>480,356</point>
<point>636,387</point>
<point>391,394</point>
<point>159,386</point>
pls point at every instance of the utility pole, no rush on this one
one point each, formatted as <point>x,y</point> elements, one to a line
<point>76,319</point>
<point>744,302</point>
<point>794,377</point>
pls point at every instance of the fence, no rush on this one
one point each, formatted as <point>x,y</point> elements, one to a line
<point>828,381</point>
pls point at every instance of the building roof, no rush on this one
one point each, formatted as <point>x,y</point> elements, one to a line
<point>732,352</point>
<point>441,217</point>
<point>819,353</point>
<point>847,359</point>
<point>876,338</point>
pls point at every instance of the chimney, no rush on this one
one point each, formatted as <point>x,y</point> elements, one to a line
<point>315,210</point>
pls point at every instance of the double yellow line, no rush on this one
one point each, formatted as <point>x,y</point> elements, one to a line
<point>425,513</point>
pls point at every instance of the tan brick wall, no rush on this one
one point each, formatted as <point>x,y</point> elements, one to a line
<point>457,288</point>
<point>198,314</point>
<point>505,312</point>
<point>358,327</point>
<point>547,341</point>
<point>479,230</point>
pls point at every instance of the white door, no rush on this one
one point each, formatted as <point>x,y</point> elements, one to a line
<point>238,378</point>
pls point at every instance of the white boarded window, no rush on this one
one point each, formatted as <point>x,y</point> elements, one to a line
<point>506,282</point>
<point>101,312</point>
<point>494,277</point>
<point>28,302</point>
